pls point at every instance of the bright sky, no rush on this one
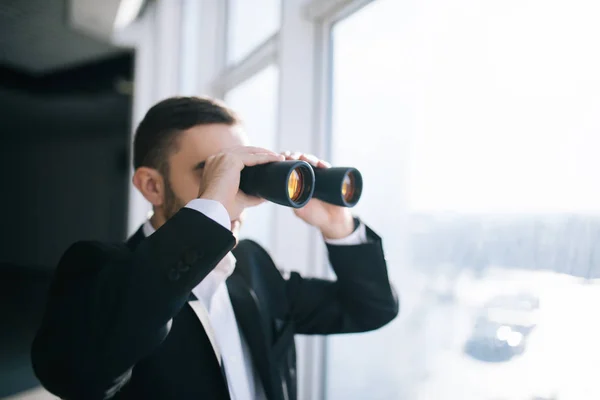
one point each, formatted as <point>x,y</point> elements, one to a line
<point>472,105</point>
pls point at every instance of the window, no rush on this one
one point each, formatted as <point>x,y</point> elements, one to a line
<point>249,24</point>
<point>483,117</point>
<point>256,102</point>
<point>482,177</point>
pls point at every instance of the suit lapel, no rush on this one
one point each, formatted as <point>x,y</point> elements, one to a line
<point>248,315</point>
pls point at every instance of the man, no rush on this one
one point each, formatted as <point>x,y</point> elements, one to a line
<point>173,313</point>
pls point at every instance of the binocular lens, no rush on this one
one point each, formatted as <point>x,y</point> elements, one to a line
<point>339,185</point>
<point>289,183</point>
<point>295,184</point>
<point>348,187</point>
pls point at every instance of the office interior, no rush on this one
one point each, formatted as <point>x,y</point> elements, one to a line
<point>475,125</point>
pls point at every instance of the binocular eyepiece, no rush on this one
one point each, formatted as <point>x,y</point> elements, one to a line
<point>294,183</point>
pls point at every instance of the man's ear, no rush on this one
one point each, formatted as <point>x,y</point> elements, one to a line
<point>151,184</point>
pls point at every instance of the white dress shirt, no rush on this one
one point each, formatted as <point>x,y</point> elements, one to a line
<point>216,313</point>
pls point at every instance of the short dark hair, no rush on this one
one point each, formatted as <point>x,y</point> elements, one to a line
<point>156,136</point>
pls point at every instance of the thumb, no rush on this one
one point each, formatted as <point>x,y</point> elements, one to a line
<point>249,201</point>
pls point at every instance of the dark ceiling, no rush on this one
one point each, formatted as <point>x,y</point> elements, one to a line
<point>52,75</point>
<point>36,39</point>
<point>98,76</point>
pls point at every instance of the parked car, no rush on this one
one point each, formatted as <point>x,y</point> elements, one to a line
<point>502,328</point>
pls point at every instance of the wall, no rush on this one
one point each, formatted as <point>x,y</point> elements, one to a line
<point>63,173</point>
<point>64,190</point>
<point>157,39</point>
<point>63,166</point>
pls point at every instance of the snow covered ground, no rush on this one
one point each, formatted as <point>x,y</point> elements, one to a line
<point>420,355</point>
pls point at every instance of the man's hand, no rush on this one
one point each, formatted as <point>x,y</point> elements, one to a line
<point>333,221</point>
<point>221,177</point>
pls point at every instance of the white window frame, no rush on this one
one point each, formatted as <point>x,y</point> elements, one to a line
<point>323,14</point>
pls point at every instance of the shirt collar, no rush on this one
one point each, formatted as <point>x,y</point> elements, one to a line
<point>147,228</point>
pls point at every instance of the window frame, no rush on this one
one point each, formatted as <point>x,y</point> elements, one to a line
<point>324,14</point>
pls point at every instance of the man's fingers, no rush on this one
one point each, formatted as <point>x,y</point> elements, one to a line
<point>287,155</point>
<point>253,150</point>
<point>312,160</point>
<point>296,155</point>
<point>265,155</point>
<point>315,161</point>
<point>250,160</point>
<point>323,164</point>
<point>309,158</point>
<point>250,201</point>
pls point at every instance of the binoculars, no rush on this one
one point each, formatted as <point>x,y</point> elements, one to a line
<point>294,183</point>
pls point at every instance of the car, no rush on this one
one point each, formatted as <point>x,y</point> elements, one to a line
<point>502,328</point>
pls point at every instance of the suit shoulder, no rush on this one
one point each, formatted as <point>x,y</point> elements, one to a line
<point>251,245</point>
<point>84,255</point>
<point>89,248</point>
<point>252,250</point>
<point>251,255</point>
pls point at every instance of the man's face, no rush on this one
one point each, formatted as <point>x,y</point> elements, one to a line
<point>194,146</point>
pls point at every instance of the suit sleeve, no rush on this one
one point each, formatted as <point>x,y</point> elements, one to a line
<point>360,299</point>
<point>109,307</point>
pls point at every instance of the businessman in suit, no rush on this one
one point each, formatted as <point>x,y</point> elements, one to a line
<point>184,310</point>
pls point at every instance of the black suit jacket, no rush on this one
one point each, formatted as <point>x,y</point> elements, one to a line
<point>118,323</point>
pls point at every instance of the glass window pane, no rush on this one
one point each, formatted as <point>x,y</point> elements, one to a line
<point>250,23</point>
<point>256,102</point>
<point>481,119</point>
